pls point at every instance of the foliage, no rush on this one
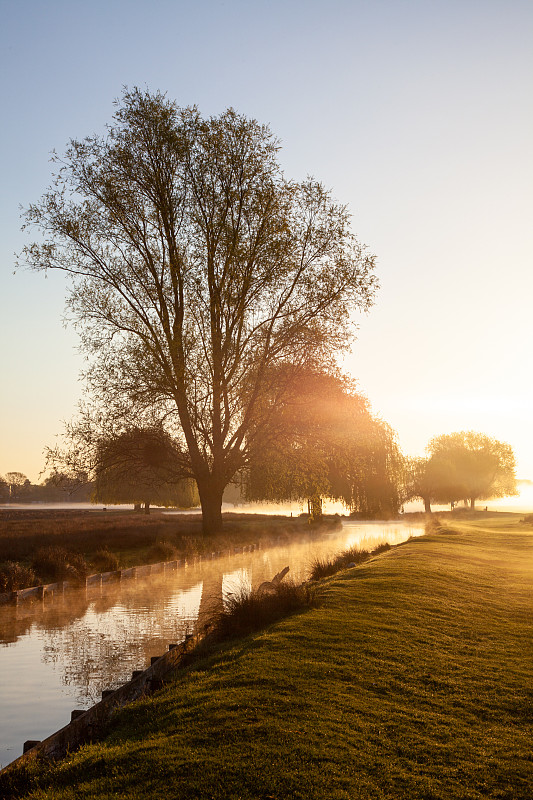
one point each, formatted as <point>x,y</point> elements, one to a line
<point>105,561</point>
<point>142,466</point>
<point>461,466</point>
<point>433,480</point>
<point>54,563</point>
<point>162,551</point>
<point>323,567</point>
<point>16,576</point>
<point>55,488</point>
<point>17,484</point>
<point>476,466</point>
<point>197,269</point>
<point>328,443</point>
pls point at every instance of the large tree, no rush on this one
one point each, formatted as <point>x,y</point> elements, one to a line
<point>198,269</point>
<point>479,466</point>
<point>328,445</point>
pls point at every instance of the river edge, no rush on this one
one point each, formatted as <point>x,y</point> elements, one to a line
<point>410,681</point>
<point>89,724</point>
<point>138,541</point>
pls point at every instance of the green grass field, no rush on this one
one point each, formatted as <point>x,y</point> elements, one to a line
<point>412,679</point>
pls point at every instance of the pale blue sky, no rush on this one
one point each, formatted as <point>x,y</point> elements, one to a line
<point>417,114</point>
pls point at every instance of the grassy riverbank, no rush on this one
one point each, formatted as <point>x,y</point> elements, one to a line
<point>411,680</point>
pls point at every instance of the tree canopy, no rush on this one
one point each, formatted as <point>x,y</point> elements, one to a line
<point>17,483</point>
<point>465,466</point>
<point>142,466</point>
<point>478,467</point>
<point>328,444</point>
<point>197,270</point>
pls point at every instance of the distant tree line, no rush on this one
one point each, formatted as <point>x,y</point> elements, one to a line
<point>15,487</point>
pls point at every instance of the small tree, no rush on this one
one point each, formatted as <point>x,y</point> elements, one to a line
<point>197,270</point>
<point>17,484</point>
<point>141,466</point>
<point>477,467</point>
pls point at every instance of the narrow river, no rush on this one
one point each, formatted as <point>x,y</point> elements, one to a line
<point>60,653</point>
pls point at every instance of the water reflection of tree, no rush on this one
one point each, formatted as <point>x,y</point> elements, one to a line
<point>100,650</point>
<point>47,615</point>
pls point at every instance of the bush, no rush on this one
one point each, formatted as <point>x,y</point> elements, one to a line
<point>56,564</point>
<point>16,576</point>
<point>162,551</point>
<point>105,561</point>
<point>248,610</point>
<point>528,519</point>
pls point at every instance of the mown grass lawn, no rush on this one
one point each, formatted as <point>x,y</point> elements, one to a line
<point>412,679</point>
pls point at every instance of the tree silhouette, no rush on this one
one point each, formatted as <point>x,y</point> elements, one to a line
<point>142,466</point>
<point>475,466</point>
<point>328,444</point>
<point>197,268</point>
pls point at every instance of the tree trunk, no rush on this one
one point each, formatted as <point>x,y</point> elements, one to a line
<point>473,503</point>
<point>210,492</point>
<point>315,505</point>
<point>147,507</point>
<point>427,505</point>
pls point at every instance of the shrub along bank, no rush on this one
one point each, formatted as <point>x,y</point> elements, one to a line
<point>412,679</point>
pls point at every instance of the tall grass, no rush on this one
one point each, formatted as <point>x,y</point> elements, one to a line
<point>162,551</point>
<point>105,561</point>
<point>323,567</point>
<point>56,563</point>
<point>246,610</point>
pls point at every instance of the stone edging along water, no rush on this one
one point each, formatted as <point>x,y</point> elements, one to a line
<point>99,578</point>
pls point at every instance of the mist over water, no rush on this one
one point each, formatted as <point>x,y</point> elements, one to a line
<point>521,503</point>
<point>61,653</point>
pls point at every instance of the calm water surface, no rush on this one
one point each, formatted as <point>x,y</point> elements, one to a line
<point>60,653</point>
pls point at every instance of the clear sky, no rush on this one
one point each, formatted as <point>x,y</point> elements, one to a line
<point>417,114</point>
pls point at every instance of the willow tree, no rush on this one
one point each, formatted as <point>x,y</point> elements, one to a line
<point>197,268</point>
<point>142,466</point>
<point>328,444</point>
